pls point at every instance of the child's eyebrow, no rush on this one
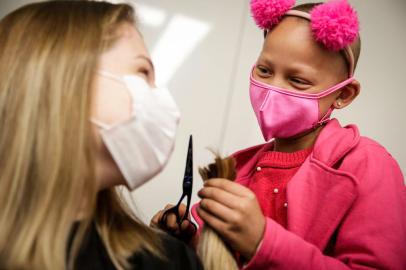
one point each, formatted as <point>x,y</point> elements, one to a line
<point>303,68</point>
<point>266,60</point>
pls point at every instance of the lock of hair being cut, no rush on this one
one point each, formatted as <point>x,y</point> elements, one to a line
<point>212,250</point>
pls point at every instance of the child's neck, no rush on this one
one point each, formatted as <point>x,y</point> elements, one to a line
<point>298,143</point>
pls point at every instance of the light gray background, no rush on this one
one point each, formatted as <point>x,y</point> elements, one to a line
<point>210,80</point>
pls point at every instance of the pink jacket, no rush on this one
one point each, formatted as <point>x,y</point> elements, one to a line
<point>346,207</point>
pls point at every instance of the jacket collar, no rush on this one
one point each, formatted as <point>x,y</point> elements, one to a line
<point>334,142</point>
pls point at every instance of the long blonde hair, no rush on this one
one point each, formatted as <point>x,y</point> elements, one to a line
<point>49,53</point>
<point>212,250</point>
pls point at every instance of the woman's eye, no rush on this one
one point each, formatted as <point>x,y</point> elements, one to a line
<point>144,72</point>
<point>147,74</point>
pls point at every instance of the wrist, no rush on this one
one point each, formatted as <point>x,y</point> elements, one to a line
<point>257,243</point>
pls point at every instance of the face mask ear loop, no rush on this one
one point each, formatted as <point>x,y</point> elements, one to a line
<point>111,76</point>
<point>325,119</point>
<point>99,124</point>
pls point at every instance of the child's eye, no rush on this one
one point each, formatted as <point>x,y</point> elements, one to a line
<point>263,71</point>
<point>299,81</point>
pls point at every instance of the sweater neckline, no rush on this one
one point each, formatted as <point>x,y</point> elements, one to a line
<point>277,159</point>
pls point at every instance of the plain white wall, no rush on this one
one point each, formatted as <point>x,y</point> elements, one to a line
<point>204,51</point>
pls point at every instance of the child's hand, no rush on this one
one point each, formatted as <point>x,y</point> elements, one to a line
<point>171,226</point>
<point>234,213</point>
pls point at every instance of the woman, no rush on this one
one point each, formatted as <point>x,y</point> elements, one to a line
<point>73,127</point>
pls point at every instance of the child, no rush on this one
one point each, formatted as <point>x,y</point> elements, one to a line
<point>316,195</point>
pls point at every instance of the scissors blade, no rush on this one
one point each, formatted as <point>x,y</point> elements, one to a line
<point>188,178</point>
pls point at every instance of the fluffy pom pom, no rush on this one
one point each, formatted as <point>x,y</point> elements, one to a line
<point>268,13</point>
<point>335,24</point>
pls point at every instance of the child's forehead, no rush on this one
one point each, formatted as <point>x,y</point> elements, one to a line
<point>293,36</point>
<point>292,41</point>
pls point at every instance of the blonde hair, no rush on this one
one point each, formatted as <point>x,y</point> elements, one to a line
<point>49,53</point>
<point>212,250</point>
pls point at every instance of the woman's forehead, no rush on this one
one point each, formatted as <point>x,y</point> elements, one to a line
<point>128,50</point>
<point>130,40</point>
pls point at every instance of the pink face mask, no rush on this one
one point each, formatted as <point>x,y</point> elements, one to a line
<point>283,113</point>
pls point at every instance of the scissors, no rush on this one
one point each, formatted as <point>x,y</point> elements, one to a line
<point>187,192</point>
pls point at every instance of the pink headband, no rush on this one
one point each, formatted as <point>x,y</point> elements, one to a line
<point>334,24</point>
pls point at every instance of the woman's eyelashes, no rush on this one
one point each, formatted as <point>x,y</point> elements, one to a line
<point>146,73</point>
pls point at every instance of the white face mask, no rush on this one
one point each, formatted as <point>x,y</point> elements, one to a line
<point>142,145</point>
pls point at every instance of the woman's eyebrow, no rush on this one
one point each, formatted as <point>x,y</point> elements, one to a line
<point>146,58</point>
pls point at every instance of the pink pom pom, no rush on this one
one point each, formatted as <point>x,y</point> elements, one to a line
<point>268,13</point>
<point>335,24</point>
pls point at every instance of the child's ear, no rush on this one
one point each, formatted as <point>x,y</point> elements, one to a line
<point>347,94</point>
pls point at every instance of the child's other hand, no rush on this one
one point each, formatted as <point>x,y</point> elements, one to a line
<point>233,211</point>
<point>171,226</point>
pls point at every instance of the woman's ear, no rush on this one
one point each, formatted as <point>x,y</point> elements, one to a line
<point>347,94</point>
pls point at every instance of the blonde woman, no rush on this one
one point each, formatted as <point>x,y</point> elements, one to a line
<point>80,115</point>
